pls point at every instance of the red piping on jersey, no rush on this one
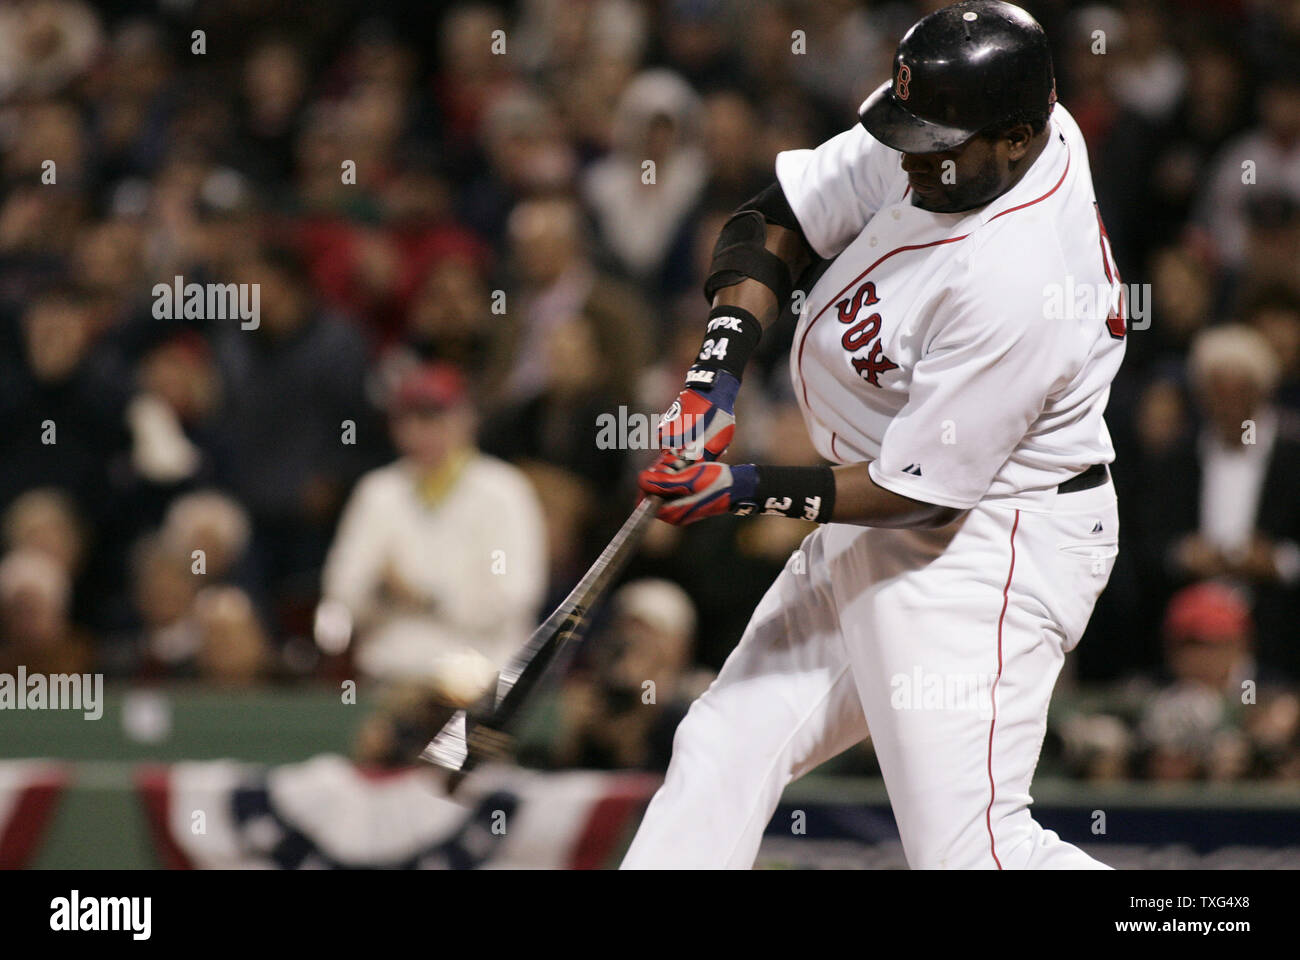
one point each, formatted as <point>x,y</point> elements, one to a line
<point>915,246</point>
<point>833,450</point>
<point>993,696</point>
<point>1030,203</point>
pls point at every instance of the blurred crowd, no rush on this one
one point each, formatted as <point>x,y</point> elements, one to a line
<point>477,229</point>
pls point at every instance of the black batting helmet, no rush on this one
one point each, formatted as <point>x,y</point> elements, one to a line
<point>959,71</point>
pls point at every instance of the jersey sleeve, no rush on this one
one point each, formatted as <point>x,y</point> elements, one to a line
<point>837,187</point>
<point>989,364</point>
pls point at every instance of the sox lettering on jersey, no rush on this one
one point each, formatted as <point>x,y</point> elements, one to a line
<point>862,333</point>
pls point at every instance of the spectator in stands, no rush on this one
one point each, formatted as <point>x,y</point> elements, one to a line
<point>1181,304</point>
<point>694,37</point>
<point>35,626</point>
<point>450,319</point>
<point>1192,727</point>
<point>1214,108</point>
<point>44,519</point>
<point>171,415</point>
<point>290,388</point>
<point>643,213</point>
<point>1275,313</point>
<point>233,650</point>
<point>132,108</point>
<point>471,78</point>
<point>109,261</point>
<point>583,56</point>
<point>230,211</point>
<point>1227,506</point>
<point>731,138</point>
<point>52,131</point>
<point>556,280</point>
<point>1151,72</point>
<point>1272,245</point>
<point>440,557</point>
<point>622,714</point>
<point>527,157</point>
<point>1097,746</point>
<point>37,226</point>
<point>45,45</point>
<point>62,403</point>
<point>274,85</point>
<point>164,638</point>
<point>214,525</point>
<point>1267,157</point>
<point>560,424</point>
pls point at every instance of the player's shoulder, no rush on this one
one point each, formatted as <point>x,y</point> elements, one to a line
<point>1012,263</point>
<point>1064,121</point>
<point>1018,241</point>
<point>851,156</point>
<point>994,286</point>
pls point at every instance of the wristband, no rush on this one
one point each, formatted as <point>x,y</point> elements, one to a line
<point>807,493</point>
<point>730,337</point>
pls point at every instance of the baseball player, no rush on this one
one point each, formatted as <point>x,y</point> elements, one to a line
<point>954,362</point>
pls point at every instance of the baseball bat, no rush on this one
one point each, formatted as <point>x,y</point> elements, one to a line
<point>480,732</point>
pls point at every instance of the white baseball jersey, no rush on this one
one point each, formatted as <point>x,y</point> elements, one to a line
<point>969,358</point>
<point>968,355</point>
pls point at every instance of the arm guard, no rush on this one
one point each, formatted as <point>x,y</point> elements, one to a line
<point>741,250</point>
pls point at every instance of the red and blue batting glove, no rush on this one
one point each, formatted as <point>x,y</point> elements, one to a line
<point>699,425</point>
<point>699,489</point>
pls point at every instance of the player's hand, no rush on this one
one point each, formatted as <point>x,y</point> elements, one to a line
<point>699,489</point>
<point>700,424</point>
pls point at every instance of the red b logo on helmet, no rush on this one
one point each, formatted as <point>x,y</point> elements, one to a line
<point>900,85</point>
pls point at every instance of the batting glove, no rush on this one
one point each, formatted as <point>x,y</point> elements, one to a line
<point>695,490</point>
<point>698,425</point>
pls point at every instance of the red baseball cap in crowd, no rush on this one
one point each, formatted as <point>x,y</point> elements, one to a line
<point>1210,612</point>
<point>429,387</point>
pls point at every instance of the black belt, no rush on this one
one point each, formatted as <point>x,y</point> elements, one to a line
<point>1094,476</point>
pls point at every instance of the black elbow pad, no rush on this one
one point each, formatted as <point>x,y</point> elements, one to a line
<point>775,208</point>
<point>741,253</point>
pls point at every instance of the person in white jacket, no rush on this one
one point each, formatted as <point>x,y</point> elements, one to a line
<point>439,562</point>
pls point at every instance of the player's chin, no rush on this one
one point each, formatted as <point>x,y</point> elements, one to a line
<point>934,202</point>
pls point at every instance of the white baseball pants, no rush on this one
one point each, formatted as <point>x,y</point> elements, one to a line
<point>946,644</point>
